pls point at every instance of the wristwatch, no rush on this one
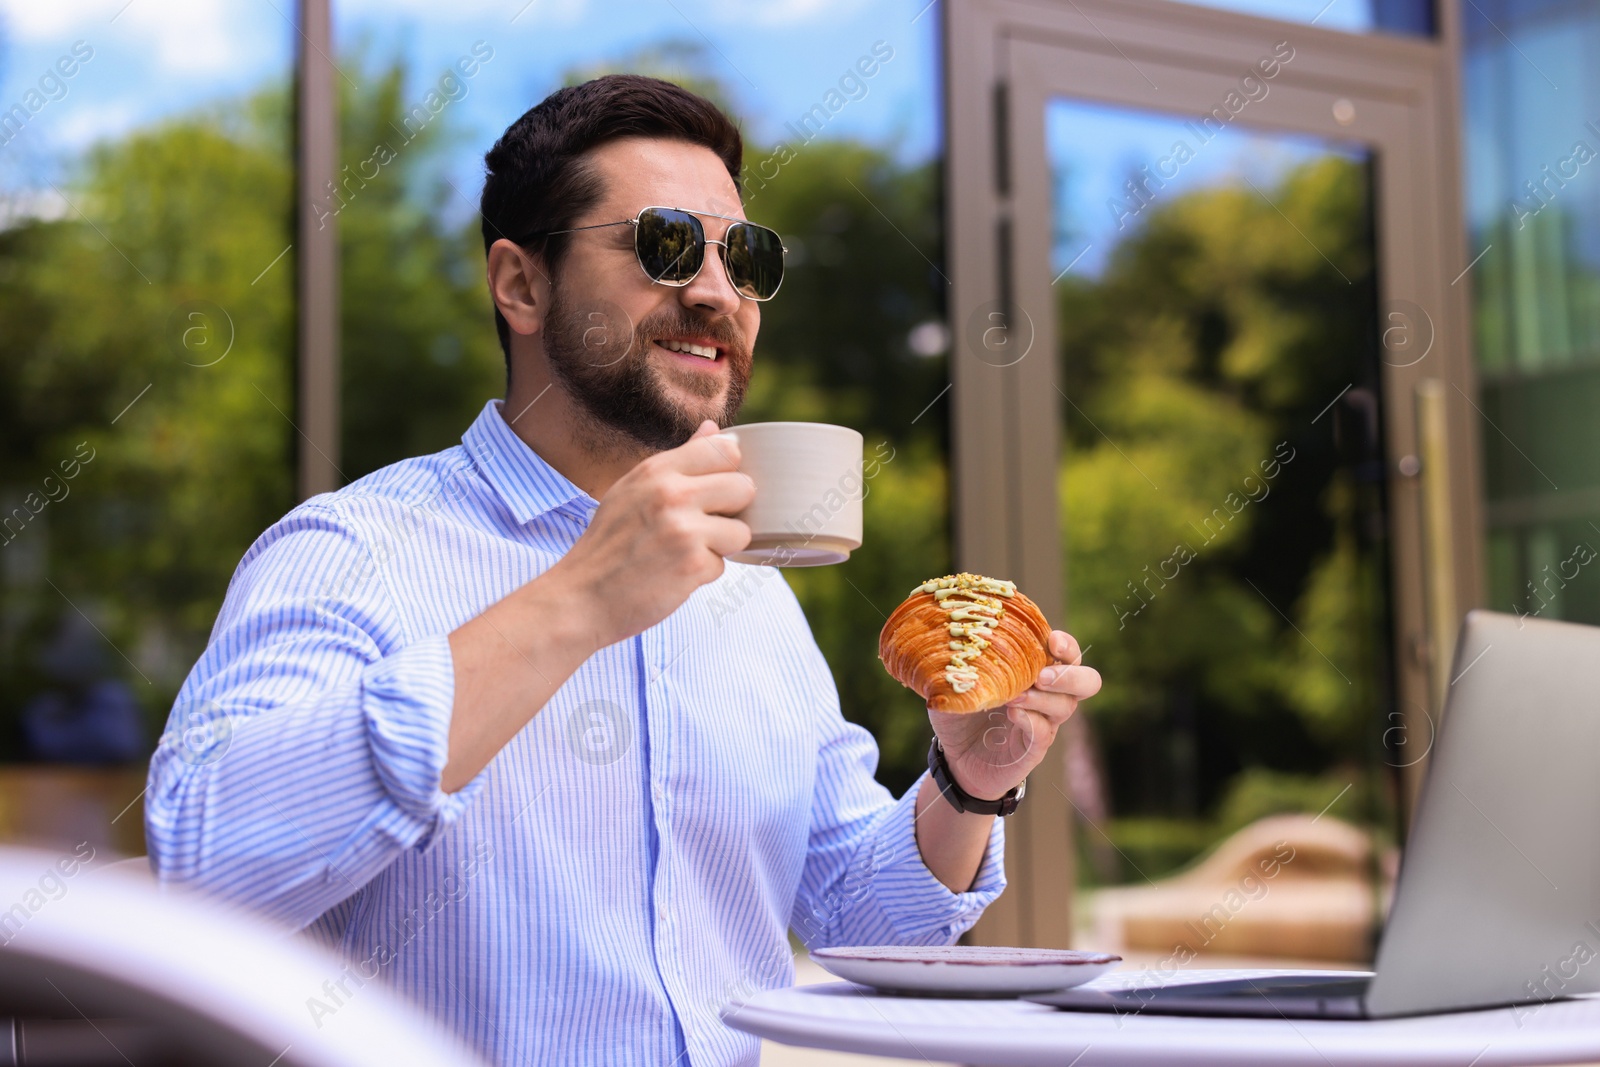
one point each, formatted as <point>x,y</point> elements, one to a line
<point>959,798</point>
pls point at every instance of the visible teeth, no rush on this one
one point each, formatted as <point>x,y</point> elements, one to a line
<point>685,346</point>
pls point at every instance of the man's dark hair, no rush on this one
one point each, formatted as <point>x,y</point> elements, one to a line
<point>538,180</point>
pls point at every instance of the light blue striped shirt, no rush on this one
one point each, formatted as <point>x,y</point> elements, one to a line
<point>624,867</point>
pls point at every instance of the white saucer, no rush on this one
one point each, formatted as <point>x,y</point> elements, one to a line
<point>964,970</point>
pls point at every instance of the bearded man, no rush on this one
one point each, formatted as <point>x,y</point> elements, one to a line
<point>485,735</point>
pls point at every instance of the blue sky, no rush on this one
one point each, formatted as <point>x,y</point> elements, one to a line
<point>1094,149</point>
<point>157,57</point>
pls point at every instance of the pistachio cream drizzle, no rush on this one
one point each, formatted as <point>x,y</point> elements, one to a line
<point>972,618</point>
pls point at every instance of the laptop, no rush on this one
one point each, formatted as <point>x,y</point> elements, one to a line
<point>1498,898</point>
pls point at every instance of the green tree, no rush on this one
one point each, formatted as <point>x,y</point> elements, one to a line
<point>172,291</point>
<point>417,339</point>
<point>1197,364</point>
<point>192,216</point>
<point>134,328</point>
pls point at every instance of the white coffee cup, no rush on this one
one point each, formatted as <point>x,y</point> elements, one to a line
<point>809,488</point>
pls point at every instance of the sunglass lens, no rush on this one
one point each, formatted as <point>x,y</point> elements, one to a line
<point>754,260</point>
<point>670,245</point>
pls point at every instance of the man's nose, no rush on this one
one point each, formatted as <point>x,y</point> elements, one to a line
<point>711,289</point>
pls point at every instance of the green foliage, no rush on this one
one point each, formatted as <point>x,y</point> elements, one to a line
<point>1343,594</point>
<point>197,208</point>
<point>1257,792</point>
<point>1151,847</point>
<point>857,227</point>
<point>417,337</point>
<point>96,318</point>
<point>1122,529</point>
<point>1202,499</point>
<point>93,309</point>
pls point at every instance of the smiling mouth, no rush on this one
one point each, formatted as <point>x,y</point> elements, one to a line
<point>709,353</point>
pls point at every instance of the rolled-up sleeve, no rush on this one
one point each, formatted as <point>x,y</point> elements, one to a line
<point>908,895</point>
<point>864,880</point>
<point>305,751</point>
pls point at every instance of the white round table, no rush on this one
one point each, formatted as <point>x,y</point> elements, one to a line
<point>843,1017</point>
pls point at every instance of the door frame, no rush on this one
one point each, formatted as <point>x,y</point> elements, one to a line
<point>1004,60</point>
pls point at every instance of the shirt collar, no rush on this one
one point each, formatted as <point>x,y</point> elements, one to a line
<point>524,481</point>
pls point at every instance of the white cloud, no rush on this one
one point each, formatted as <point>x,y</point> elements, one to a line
<point>492,14</point>
<point>188,36</point>
<point>22,205</point>
<point>776,12</point>
<point>78,128</point>
<point>25,21</point>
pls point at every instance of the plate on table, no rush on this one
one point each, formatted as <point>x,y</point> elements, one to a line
<point>964,970</point>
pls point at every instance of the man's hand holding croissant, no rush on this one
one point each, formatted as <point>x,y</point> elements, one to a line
<point>991,752</point>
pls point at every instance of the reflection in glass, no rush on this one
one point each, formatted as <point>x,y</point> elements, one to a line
<point>1355,16</point>
<point>673,243</point>
<point>1534,224</point>
<point>754,260</point>
<point>1223,503</point>
<point>146,333</point>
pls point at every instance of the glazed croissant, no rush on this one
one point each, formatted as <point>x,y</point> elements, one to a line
<point>965,642</point>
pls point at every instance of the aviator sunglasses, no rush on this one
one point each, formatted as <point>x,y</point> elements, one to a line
<point>670,244</point>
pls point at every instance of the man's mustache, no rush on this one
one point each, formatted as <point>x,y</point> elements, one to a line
<point>723,331</point>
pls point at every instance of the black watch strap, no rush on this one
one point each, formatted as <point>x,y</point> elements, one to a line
<point>959,798</point>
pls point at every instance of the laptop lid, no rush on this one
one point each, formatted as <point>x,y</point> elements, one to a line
<point>1499,893</point>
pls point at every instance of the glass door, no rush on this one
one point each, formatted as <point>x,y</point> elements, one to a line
<point>1210,254</point>
<point>1223,508</point>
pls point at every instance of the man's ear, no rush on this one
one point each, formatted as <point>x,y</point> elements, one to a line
<point>519,286</point>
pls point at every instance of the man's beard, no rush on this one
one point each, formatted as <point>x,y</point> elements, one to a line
<point>606,369</point>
